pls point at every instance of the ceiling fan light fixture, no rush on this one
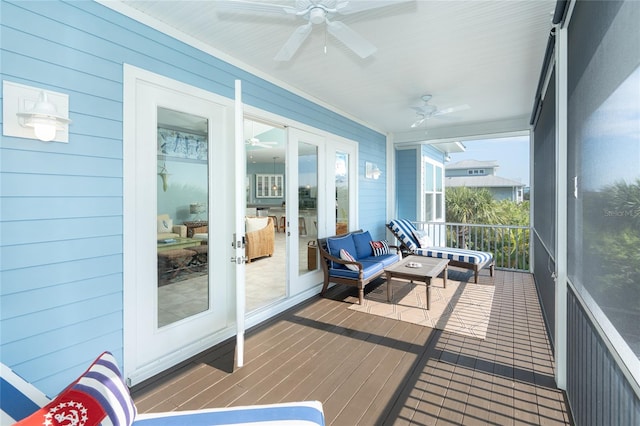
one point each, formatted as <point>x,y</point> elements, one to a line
<point>317,15</point>
<point>428,111</point>
<point>316,12</point>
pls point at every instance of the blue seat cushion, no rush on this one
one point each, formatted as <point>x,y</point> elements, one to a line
<point>461,255</point>
<point>369,269</point>
<point>362,242</point>
<point>385,259</point>
<point>336,244</point>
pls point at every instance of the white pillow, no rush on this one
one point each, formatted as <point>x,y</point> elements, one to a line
<point>344,255</point>
<point>165,225</point>
<point>423,238</point>
<point>255,223</point>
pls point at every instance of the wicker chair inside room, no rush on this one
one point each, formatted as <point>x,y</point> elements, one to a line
<point>260,242</point>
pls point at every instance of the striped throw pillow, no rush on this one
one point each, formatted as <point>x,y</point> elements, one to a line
<point>98,397</point>
<point>379,247</point>
<point>344,255</point>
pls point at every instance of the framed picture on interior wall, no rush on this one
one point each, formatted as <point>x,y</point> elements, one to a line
<point>180,144</point>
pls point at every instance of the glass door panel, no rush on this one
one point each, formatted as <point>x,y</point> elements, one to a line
<point>307,220</point>
<point>342,192</point>
<point>266,242</point>
<point>182,209</point>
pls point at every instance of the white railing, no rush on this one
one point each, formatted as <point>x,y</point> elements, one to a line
<point>509,244</point>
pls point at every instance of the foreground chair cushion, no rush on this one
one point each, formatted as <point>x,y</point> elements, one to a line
<point>18,398</point>
<point>97,397</point>
<point>102,382</point>
<point>289,414</point>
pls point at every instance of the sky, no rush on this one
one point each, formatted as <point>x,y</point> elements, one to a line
<point>512,155</point>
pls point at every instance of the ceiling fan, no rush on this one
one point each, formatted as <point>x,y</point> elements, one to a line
<point>316,12</point>
<point>255,142</point>
<point>428,110</point>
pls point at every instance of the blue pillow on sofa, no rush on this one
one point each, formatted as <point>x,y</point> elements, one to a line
<point>362,242</point>
<point>336,244</point>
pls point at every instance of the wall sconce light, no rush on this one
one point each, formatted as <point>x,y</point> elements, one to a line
<point>447,157</point>
<point>372,171</point>
<point>33,113</point>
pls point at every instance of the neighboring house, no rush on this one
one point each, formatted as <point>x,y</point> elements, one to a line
<point>482,174</point>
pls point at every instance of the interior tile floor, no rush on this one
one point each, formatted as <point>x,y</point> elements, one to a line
<point>265,284</point>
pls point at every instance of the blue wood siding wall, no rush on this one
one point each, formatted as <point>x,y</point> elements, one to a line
<point>406,183</point>
<point>372,199</point>
<point>61,224</point>
<point>432,153</point>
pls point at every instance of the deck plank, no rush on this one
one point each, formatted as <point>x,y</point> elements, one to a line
<point>369,370</point>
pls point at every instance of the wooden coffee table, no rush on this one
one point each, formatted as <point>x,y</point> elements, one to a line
<point>429,268</point>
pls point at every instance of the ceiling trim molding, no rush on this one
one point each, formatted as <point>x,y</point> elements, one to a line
<point>515,126</point>
<point>147,20</point>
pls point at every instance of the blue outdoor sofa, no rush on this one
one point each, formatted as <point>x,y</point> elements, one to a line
<point>99,396</point>
<point>474,260</point>
<point>366,264</point>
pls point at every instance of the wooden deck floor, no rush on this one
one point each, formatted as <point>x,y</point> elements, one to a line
<point>369,370</point>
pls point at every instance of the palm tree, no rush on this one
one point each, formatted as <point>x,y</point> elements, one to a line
<point>468,205</point>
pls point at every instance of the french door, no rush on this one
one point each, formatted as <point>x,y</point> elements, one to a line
<point>175,306</point>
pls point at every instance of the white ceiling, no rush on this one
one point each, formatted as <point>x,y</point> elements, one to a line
<point>485,54</point>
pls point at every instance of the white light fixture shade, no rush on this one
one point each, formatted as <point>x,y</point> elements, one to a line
<point>33,113</point>
<point>372,171</point>
<point>44,119</point>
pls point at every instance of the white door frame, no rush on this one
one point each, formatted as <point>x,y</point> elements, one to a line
<point>302,288</point>
<point>200,331</point>
<point>335,145</point>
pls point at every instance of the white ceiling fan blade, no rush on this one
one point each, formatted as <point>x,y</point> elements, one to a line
<point>295,41</point>
<point>347,7</point>
<point>254,6</point>
<point>418,122</point>
<point>451,109</point>
<point>426,110</point>
<point>351,39</point>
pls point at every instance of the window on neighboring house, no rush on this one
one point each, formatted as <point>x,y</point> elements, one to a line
<point>433,191</point>
<point>476,172</point>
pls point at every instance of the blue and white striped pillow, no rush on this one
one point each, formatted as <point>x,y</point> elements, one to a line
<point>403,229</point>
<point>379,248</point>
<point>100,394</point>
